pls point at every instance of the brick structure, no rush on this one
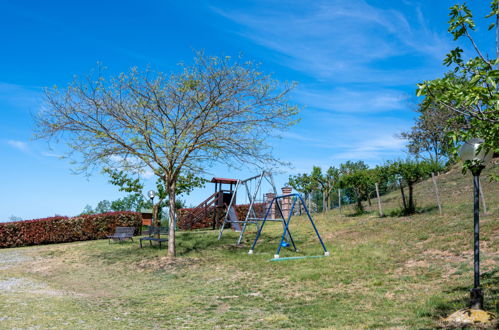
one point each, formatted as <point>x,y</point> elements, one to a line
<point>286,202</point>
<point>268,198</point>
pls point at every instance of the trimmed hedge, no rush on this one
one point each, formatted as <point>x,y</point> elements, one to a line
<point>63,229</point>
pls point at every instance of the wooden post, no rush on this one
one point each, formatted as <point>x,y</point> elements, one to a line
<point>339,199</point>
<point>379,200</point>
<point>436,193</point>
<point>483,198</point>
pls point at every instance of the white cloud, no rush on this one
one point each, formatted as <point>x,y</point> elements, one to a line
<point>20,145</point>
<point>350,100</point>
<point>50,154</point>
<point>299,137</point>
<point>372,151</point>
<point>20,97</point>
<point>339,40</point>
<point>147,174</point>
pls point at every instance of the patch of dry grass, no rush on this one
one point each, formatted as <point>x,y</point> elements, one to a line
<point>391,272</point>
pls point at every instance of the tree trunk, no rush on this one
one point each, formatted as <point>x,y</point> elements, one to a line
<point>339,199</point>
<point>411,208</point>
<point>324,205</point>
<point>171,230</point>
<point>403,196</point>
<point>360,207</point>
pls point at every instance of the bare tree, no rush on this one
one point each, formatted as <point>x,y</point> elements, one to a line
<point>216,110</point>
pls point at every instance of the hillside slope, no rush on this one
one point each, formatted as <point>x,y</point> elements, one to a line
<point>399,272</point>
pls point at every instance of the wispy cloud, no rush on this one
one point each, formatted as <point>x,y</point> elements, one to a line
<point>51,154</point>
<point>19,97</point>
<point>338,40</point>
<point>353,100</point>
<point>19,145</point>
<point>373,151</point>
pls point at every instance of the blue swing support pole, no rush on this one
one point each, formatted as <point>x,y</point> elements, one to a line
<point>286,222</point>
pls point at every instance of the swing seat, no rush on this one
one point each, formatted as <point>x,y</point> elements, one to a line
<point>285,244</point>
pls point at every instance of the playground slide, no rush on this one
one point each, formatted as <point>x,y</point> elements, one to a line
<point>233,217</point>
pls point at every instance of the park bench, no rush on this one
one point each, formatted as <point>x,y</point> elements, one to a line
<point>153,232</point>
<point>121,234</point>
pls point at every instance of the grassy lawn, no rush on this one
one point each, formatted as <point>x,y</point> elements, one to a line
<point>383,272</point>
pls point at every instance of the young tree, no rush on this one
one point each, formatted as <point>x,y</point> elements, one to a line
<point>429,138</point>
<point>410,172</point>
<point>302,183</point>
<point>471,91</point>
<point>355,175</point>
<point>87,210</point>
<point>216,110</point>
<point>103,207</point>
<point>326,182</point>
<point>136,201</point>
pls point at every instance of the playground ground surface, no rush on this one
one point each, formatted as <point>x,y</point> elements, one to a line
<point>401,272</point>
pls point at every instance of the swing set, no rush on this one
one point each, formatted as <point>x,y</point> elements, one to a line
<point>286,232</point>
<point>256,210</point>
<point>272,208</point>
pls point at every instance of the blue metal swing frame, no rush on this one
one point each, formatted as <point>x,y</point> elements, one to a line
<point>295,197</point>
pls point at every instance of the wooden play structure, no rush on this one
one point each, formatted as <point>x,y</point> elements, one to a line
<point>213,209</point>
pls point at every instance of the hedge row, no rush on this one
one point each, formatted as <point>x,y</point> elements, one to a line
<point>63,229</point>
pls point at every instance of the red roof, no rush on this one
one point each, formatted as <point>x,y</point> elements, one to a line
<point>223,180</point>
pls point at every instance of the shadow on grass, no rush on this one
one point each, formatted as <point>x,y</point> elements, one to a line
<point>440,306</point>
<point>400,212</point>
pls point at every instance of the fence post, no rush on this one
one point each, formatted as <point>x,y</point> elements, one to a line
<point>436,193</point>
<point>379,200</point>
<point>339,199</point>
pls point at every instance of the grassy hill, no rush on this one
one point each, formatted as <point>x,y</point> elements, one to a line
<point>401,272</point>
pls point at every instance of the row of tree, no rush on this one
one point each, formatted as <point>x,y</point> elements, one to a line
<point>359,183</point>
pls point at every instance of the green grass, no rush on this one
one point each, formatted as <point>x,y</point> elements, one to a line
<point>383,272</point>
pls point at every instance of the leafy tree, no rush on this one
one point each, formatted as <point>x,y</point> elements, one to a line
<point>471,91</point>
<point>302,183</point>
<point>356,177</point>
<point>87,210</point>
<point>132,202</point>
<point>136,201</point>
<point>382,175</point>
<point>103,207</point>
<point>429,138</point>
<point>326,182</point>
<point>15,218</point>
<point>410,172</point>
<point>216,110</point>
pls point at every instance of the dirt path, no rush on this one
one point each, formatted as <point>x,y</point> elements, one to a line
<point>9,282</point>
<point>12,257</point>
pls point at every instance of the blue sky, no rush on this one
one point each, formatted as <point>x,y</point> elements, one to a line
<point>356,62</point>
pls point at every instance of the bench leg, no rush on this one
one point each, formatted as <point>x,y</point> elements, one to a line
<point>140,241</point>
